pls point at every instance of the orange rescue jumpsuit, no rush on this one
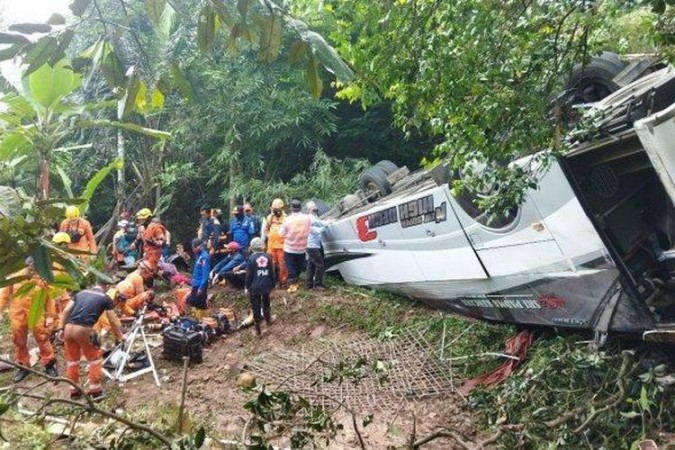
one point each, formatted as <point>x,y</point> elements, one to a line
<point>131,295</point>
<point>83,228</point>
<point>154,238</point>
<point>18,311</point>
<point>275,244</point>
<point>77,343</point>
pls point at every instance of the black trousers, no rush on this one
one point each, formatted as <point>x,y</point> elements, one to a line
<point>260,304</point>
<point>315,267</point>
<point>197,301</point>
<point>294,263</point>
<point>236,280</point>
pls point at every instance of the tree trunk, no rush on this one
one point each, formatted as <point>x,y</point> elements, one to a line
<point>43,177</point>
<point>232,181</point>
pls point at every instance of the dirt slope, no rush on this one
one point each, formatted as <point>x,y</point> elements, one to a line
<point>214,399</point>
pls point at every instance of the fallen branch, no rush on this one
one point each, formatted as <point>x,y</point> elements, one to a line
<point>358,433</point>
<point>89,406</point>
<point>47,377</point>
<point>611,403</point>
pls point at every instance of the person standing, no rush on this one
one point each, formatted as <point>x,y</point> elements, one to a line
<point>295,232</point>
<point>80,232</point>
<point>208,232</point>
<point>79,337</point>
<point>275,242</point>
<point>200,279</point>
<point>153,236</point>
<point>126,246</point>
<point>117,256</point>
<point>259,283</point>
<point>241,228</point>
<point>20,305</point>
<point>315,263</point>
<point>257,224</point>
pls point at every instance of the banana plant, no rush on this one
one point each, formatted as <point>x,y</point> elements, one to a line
<point>41,116</point>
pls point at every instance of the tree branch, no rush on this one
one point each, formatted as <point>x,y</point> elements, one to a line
<point>89,406</point>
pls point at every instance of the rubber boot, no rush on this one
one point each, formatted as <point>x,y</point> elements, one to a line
<point>258,332</point>
<point>21,375</point>
<point>198,313</point>
<point>50,369</point>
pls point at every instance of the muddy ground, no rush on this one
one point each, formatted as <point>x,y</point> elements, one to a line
<point>215,400</point>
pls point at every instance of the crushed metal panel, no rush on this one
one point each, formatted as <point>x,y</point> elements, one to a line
<point>657,134</point>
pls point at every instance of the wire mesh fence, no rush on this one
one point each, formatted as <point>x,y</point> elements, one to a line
<point>363,374</point>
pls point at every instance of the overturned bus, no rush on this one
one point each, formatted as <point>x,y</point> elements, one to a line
<point>591,248</point>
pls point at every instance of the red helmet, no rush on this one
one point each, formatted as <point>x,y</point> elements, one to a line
<point>233,247</point>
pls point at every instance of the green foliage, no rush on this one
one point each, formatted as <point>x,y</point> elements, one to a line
<point>279,413</point>
<point>563,380</point>
<point>479,76</point>
<point>327,179</point>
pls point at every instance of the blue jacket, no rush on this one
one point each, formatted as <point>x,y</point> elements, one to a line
<point>316,228</point>
<point>242,231</point>
<point>210,230</point>
<point>228,264</point>
<point>200,271</point>
<point>124,246</point>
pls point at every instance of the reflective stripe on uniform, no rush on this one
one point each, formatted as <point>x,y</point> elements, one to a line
<point>72,363</point>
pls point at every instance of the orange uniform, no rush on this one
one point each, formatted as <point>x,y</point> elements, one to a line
<point>275,244</point>
<point>154,238</point>
<point>18,311</point>
<point>131,296</point>
<point>132,291</point>
<point>83,310</point>
<point>81,235</point>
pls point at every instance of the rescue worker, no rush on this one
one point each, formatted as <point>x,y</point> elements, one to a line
<point>80,232</point>
<point>79,338</point>
<point>259,283</point>
<point>241,228</point>
<point>236,277</point>
<point>234,259</point>
<point>126,245</point>
<point>295,231</point>
<point>257,224</point>
<point>207,231</point>
<point>200,279</point>
<point>275,242</point>
<point>117,256</point>
<point>153,236</point>
<point>18,313</point>
<point>315,263</point>
<point>131,293</point>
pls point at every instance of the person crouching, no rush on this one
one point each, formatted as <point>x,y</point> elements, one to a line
<point>200,279</point>
<point>79,337</point>
<point>259,283</point>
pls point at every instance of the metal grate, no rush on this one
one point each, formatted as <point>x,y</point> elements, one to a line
<point>414,372</point>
